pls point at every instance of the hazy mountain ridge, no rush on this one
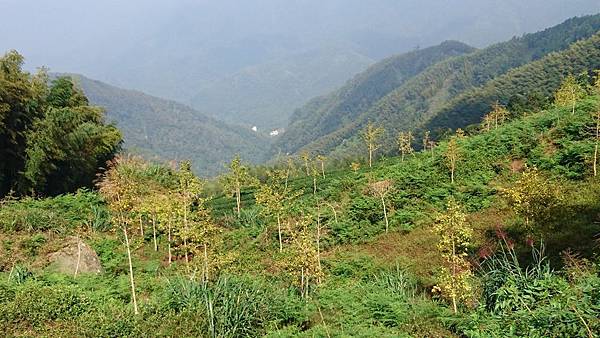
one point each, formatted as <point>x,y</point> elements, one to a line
<point>175,49</point>
<point>325,114</point>
<point>265,95</point>
<point>417,101</point>
<point>159,128</point>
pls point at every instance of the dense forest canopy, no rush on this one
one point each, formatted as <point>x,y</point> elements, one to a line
<point>51,140</point>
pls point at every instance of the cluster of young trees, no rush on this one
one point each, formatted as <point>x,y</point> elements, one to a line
<point>51,140</point>
<point>532,197</point>
<point>299,224</point>
<point>173,204</point>
<point>170,201</point>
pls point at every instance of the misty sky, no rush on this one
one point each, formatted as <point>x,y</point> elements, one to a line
<point>195,42</point>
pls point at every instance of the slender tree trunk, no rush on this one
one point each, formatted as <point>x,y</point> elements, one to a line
<point>238,200</point>
<point>306,286</point>
<point>302,281</point>
<point>385,213</point>
<point>78,257</point>
<point>154,232</point>
<point>334,213</point>
<point>141,226</point>
<point>185,224</point>
<point>187,257</point>
<point>319,243</point>
<point>133,297</point>
<point>169,240</point>
<point>206,262</point>
<point>323,169</point>
<point>279,233</point>
<point>452,171</point>
<point>370,155</point>
<point>454,307</point>
<point>596,159</point>
<point>314,185</point>
<point>287,176</point>
<point>596,146</point>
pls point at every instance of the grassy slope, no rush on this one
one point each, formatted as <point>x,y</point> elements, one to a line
<point>363,294</point>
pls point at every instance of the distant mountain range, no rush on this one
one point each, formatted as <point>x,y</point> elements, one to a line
<point>439,96</point>
<point>166,130</point>
<point>437,88</point>
<point>254,62</point>
<point>326,114</point>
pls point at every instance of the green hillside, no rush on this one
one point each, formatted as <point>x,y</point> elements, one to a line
<point>521,216</point>
<point>325,114</point>
<point>420,99</point>
<point>525,87</point>
<point>166,130</point>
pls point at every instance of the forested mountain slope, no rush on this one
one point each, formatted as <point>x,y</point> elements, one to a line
<point>168,130</point>
<point>325,114</point>
<point>417,101</point>
<point>530,86</point>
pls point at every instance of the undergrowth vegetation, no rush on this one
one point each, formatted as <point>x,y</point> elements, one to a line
<point>328,252</point>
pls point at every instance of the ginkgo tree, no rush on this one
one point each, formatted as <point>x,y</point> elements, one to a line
<point>303,259</point>
<point>532,196</point>
<point>276,200</point>
<point>495,117</point>
<point>166,214</point>
<point>596,125</point>
<point>405,140</point>
<point>569,92</point>
<point>452,155</point>
<point>202,239</point>
<point>321,159</point>
<point>188,193</point>
<point>381,190</point>
<point>236,179</point>
<point>118,188</point>
<point>371,135</point>
<point>455,236</point>
<point>428,143</point>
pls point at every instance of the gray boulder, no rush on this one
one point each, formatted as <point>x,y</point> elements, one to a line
<point>76,257</point>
